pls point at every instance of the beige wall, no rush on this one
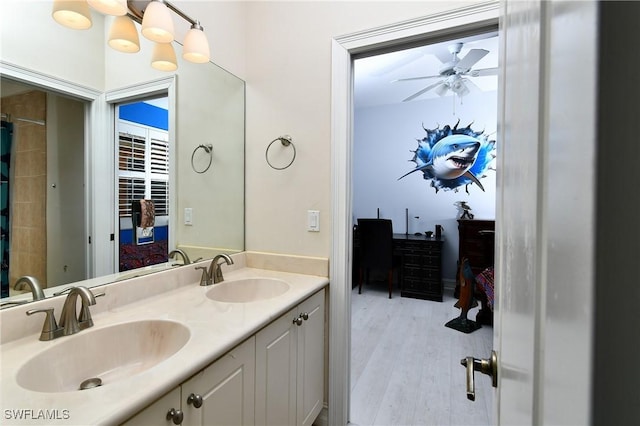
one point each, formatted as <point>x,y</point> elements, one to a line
<point>289,92</point>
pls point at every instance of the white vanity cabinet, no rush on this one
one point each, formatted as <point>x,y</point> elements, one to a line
<point>157,413</point>
<point>290,366</point>
<point>276,377</point>
<point>222,394</point>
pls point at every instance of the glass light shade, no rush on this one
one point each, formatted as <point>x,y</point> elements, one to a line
<point>442,89</point>
<point>157,24</point>
<point>164,57</point>
<point>196,46</point>
<point>73,14</point>
<point>109,7</point>
<point>123,35</point>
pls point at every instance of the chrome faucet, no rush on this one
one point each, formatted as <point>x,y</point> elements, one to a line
<point>33,284</point>
<point>70,321</point>
<point>185,258</point>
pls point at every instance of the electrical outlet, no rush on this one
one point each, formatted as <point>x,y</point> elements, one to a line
<point>188,216</point>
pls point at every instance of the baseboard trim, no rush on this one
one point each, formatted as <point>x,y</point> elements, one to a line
<point>323,417</point>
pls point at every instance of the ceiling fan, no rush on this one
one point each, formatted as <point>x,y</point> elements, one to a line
<point>454,74</point>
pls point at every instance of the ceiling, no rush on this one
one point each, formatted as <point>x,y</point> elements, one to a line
<point>374,76</point>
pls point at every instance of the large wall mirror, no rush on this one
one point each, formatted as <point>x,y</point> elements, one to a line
<point>78,85</point>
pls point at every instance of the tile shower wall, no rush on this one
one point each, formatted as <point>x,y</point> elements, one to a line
<point>28,215</point>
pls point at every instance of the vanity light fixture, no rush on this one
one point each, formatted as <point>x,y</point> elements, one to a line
<point>196,46</point>
<point>109,7</point>
<point>123,35</point>
<point>72,14</point>
<point>157,25</point>
<point>164,57</point>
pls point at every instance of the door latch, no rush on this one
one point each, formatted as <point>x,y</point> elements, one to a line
<point>486,366</point>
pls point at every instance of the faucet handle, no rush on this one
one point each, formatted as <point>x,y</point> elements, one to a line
<point>205,279</point>
<point>50,326</point>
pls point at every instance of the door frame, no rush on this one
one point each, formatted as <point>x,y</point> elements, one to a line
<point>453,22</point>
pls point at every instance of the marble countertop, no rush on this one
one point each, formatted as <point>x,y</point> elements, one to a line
<point>215,328</point>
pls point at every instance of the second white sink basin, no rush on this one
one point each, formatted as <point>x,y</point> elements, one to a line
<point>108,354</point>
<point>247,290</point>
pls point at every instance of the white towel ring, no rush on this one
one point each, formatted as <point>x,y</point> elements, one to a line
<point>209,150</point>
<point>285,140</point>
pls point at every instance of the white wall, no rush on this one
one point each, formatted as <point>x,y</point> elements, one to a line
<point>384,137</point>
<point>27,27</point>
<point>288,62</point>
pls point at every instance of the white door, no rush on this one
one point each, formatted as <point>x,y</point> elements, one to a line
<point>545,222</point>
<point>545,218</point>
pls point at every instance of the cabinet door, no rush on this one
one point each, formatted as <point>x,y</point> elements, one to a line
<point>156,413</point>
<point>226,388</point>
<point>276,372</point>
<point>310,368</point>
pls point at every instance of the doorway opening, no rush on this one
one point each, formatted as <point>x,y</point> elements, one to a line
<point>446,26</point>
<point>143,158</point>
<point>404,103</point>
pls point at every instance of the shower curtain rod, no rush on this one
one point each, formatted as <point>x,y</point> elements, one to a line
<point>8,117</point>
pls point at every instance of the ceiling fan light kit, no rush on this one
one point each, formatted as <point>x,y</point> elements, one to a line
<point>454,73</point>
<point>156,22</point>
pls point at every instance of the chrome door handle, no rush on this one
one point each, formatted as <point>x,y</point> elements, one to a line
<point>486,366</point>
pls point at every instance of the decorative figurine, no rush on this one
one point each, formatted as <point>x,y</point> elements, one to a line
<point>466,301</point>
<point>465,209</point>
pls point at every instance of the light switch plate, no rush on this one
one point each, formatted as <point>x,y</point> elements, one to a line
<point>188,216</point>
<point>313,220</point>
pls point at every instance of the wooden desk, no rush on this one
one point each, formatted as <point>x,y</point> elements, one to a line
<point>420,266</point>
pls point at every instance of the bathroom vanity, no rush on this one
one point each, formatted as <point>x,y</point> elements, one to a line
<point>170,351</point>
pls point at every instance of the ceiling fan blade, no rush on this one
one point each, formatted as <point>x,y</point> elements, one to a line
<point>420,92</point>
<point>416,78</point>
<point>483,72</point>
<point>470,60</point>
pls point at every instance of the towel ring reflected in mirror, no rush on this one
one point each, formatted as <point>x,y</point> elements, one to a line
<point>286,141</point>
<point>209,150</point>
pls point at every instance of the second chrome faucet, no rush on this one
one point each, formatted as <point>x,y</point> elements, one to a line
<point>214,274</point>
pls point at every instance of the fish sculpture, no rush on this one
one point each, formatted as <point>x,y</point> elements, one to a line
<point>452,157</point>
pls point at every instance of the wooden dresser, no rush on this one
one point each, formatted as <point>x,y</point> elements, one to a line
<point>421,266</point>
<point>476,244</point>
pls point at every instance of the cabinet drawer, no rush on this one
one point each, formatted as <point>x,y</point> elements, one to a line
<point>418,274</point>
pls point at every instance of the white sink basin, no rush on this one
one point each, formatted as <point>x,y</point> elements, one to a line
<point>247,290</point>
<point>109,354</point>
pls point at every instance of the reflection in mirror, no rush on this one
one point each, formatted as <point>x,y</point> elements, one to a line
<point>206,105</point>
<point>43,230</point>
<point>142,133</point>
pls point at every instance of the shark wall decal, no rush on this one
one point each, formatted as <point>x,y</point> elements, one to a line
<point>453,157</point>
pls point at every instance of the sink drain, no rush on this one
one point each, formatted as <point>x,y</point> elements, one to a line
<point>93,382</point>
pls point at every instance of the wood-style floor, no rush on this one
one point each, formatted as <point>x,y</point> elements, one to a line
<point>405,364</point>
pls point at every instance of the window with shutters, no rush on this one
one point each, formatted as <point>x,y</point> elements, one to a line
<point>143,167</point>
